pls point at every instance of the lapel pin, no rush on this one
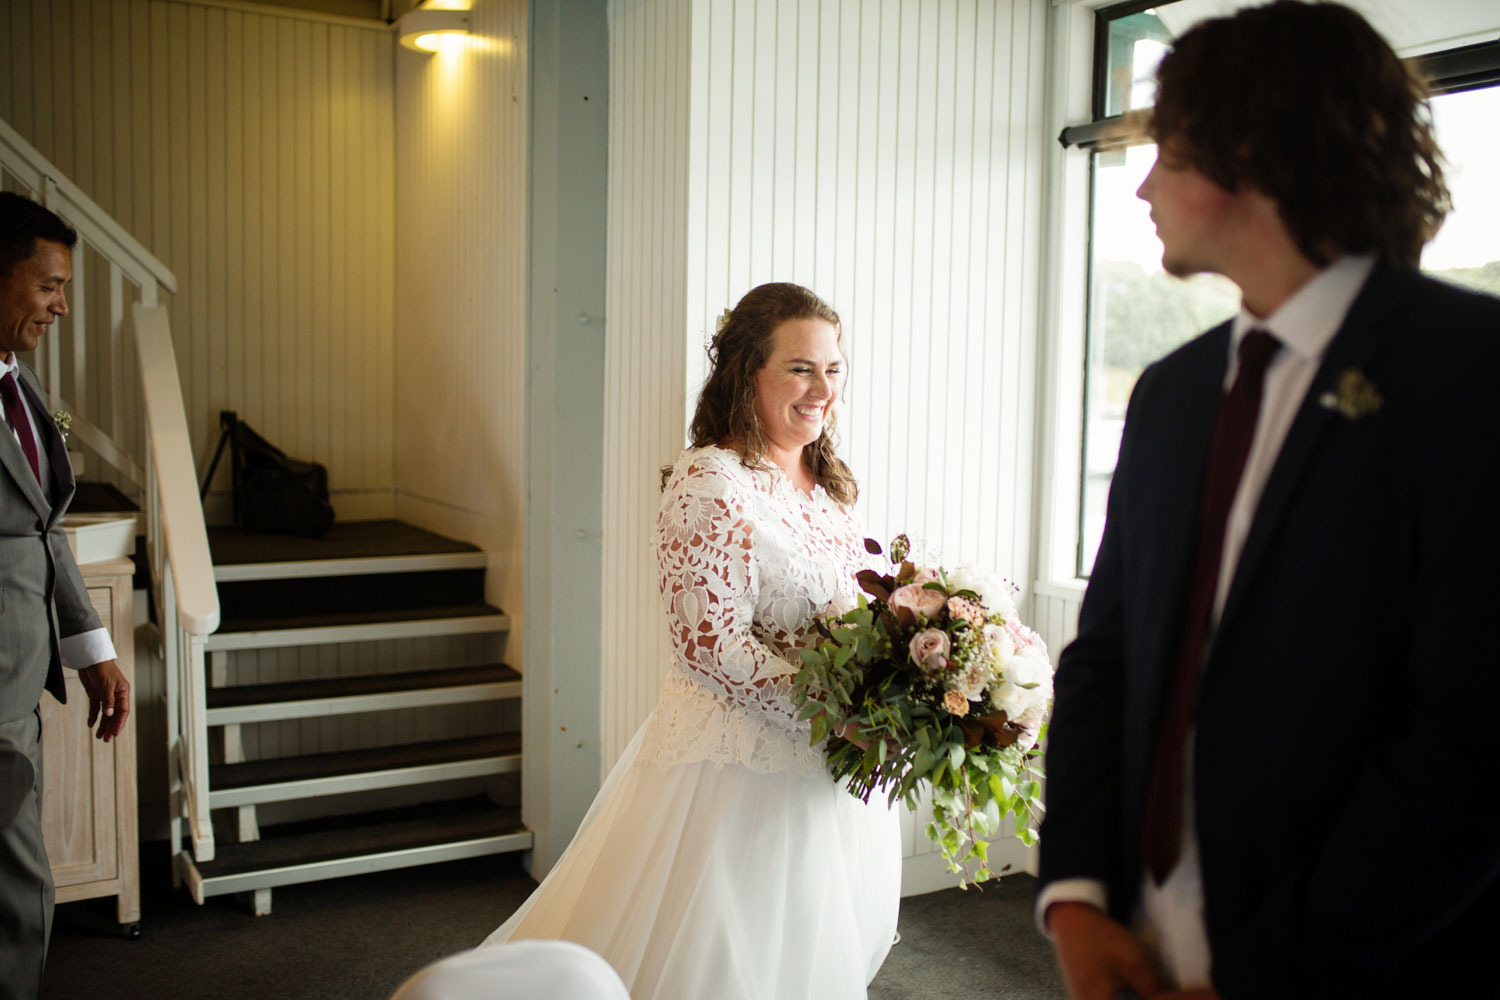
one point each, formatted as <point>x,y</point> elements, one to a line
<point>1354,397</point>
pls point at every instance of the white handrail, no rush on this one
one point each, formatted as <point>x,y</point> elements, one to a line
<point>84,214</point>
<point>182,527</point>
<point>183,574</point>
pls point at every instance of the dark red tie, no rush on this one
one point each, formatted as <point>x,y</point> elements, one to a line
<point>1234,428</point>
<point>15,411</point>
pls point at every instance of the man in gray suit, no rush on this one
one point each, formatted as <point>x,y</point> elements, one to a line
<point>46,620</point>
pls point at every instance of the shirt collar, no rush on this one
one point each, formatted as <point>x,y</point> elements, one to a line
<point>9,365</point>
<point>1306,322</point>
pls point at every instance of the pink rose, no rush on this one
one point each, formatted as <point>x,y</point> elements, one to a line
<point>955,703</point>
<point>963,609</point>
<point>919,600</point>
<point>929,650</point>
<point>925,576</point>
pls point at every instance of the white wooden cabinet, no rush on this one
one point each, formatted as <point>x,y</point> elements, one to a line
<point>89,819</point>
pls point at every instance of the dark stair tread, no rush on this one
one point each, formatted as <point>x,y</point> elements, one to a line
<point>336,595</point>
<point>368,833</point>
<point>94,497</point>
<point>267,623</point>
<point>328,765</point>
<point>345,540</point>
<point>339,687</point>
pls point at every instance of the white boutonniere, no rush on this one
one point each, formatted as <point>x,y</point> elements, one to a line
<point>1355,396</point>
<point>64,420</point>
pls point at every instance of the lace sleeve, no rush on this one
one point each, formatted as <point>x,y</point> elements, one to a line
<point>709,584</point>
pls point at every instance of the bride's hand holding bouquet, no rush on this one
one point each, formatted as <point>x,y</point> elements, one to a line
<point>934,682</point>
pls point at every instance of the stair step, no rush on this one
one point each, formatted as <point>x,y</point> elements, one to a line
<point>362,566</point>
<point>98,497</point>
<point>282,779</point>
<point>330,596</point>
<point>344,540</point>
<point>357,626</point>
<point>357,845</point>
<point>366,693</point>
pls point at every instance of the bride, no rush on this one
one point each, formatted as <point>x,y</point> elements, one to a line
<point>720,859</point>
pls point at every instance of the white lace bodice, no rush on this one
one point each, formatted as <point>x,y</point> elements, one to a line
<point>746,561</point>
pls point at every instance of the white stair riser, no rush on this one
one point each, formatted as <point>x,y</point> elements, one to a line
<point>321,635</point>
<point>355,704</point>
<point>479,767</point>
<point>236,573</point>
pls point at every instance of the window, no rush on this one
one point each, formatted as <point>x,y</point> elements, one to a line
<point>1135,313</point>
<point>1466,250</point>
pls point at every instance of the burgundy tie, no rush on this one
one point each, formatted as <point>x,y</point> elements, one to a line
<point>15,410</point>
<point>1234,427</point>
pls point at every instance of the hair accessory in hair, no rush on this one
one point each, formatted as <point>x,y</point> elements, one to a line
<point>722,322</point>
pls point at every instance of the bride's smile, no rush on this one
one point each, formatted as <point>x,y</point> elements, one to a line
<point>798,385</point>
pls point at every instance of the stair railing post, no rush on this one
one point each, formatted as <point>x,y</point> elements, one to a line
<point>167,609</point>
<point>190,658</point>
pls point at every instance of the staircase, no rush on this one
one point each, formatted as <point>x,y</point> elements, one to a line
<point>354,592</point>
<point>415,757</point>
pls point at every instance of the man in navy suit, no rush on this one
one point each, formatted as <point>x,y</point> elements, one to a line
<point>1272,750</point>
<point>46,619</point>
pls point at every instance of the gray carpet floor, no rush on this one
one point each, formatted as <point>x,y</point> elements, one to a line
<point>357,938</point>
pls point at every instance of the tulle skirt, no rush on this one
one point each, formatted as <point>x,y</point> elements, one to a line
<point>702,881</point>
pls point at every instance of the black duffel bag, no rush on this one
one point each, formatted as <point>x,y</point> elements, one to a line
<point>271,492</point>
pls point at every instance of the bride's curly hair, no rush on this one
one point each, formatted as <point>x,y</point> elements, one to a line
<point>726,407</point>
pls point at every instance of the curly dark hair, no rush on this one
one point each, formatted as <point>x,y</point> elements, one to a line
<point>1308,104</point>
<point>726,407</point>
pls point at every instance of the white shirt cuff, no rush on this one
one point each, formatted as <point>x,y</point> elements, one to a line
<point>1070,890</point>
<point>86,649</point>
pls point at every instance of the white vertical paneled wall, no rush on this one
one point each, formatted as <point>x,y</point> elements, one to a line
<point>888,154</point>
<point>252,153</point>
<point>648,343</point>
<point>1054,615</point>
<point>460,292</point>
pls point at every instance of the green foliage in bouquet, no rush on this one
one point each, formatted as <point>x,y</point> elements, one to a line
<point>907,727</point>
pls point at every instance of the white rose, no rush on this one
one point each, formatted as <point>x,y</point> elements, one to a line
<point>1026,686</point>
<point>970,681</point>
<point>995,594</point>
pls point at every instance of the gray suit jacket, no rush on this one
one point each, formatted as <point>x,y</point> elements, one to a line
<point>42,596</point>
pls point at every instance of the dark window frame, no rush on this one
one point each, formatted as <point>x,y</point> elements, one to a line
<point>1469,67</point>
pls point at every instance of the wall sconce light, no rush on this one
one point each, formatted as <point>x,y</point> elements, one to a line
<point>430,30</point>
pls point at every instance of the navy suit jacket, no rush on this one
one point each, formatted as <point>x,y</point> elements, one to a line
<point>1346,732</point>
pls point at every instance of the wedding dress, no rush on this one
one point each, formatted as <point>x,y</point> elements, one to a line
<point>720,860</point>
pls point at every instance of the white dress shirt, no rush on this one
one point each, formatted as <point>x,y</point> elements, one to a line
<point>1170,920</point>
<point>86,648</point>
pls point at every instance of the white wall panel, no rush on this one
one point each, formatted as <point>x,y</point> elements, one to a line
<point>460,364</point>
<point>648,340</point>
<point>1054,615</point>
<point>252,153</point>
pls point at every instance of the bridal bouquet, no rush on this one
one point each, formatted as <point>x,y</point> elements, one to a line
<point>936,683</point>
